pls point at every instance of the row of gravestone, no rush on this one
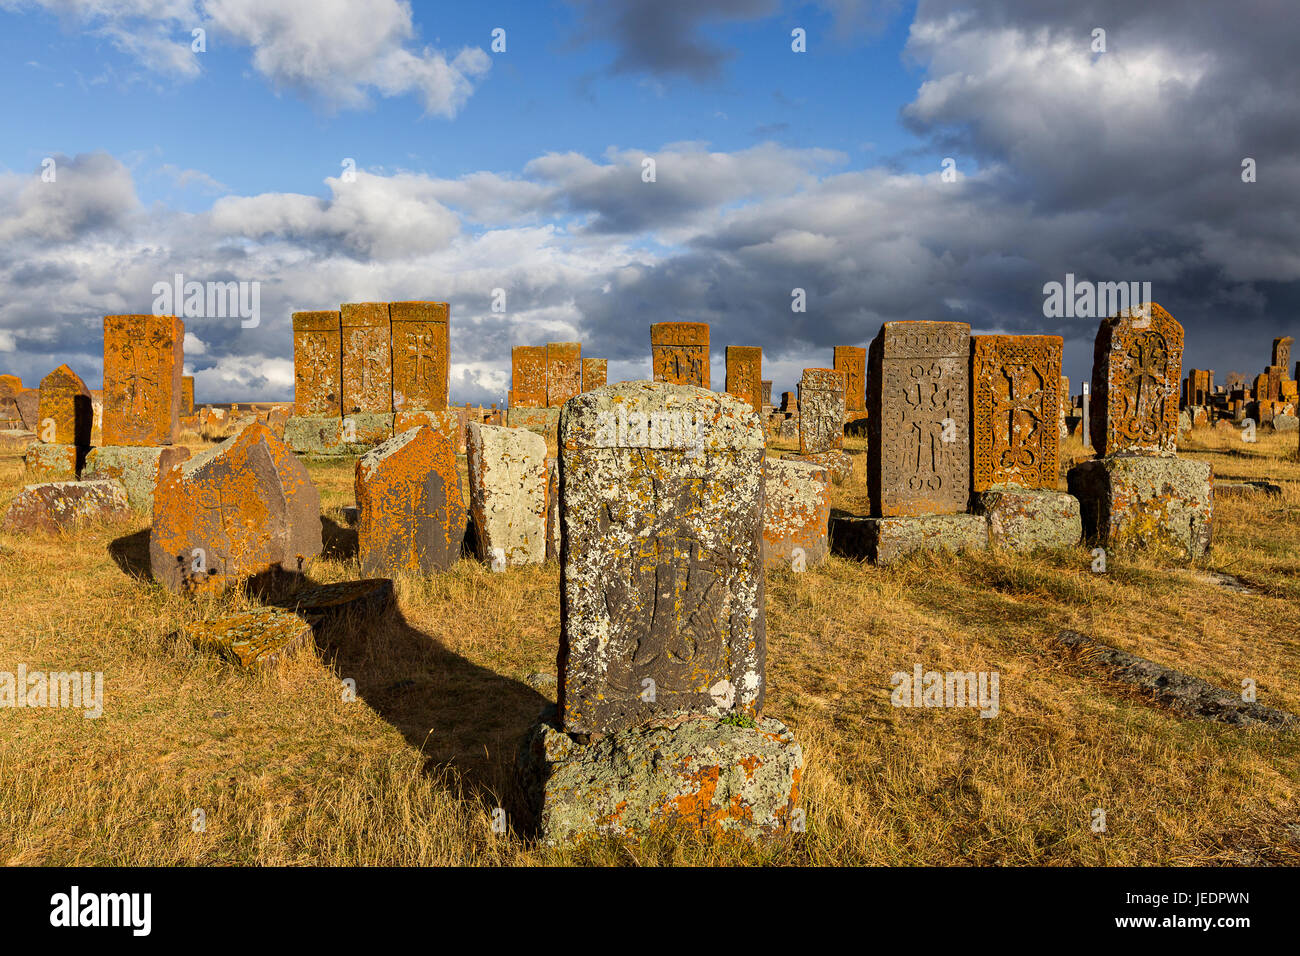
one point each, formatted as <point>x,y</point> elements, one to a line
<point>1273,400</point>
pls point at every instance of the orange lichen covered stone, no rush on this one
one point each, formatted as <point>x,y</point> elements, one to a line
<point>563,372</point>
<point>796,513</point>
<point>421,354</point>
<point>528,376</point>
<point>1016,427</point>
<point>367,358</point>
<point>411,513</point>
<point>252,639</point>
<point>595,372</point>
<point>852,361</point>
<point>745,374</point>
<point>45,462</point>
<point>65,409</point>
<point>244,508</point>
<point>1136,374</point>
<point>679,353</point>
<point>143,359</point>
<point>187,395</point>
<point>317,363</point>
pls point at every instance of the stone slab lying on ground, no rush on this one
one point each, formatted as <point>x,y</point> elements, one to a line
<point>887,540</point>
<point>1182,693</point>
<point>796,514</point>
<point>60,505</point>
<point>727,776</point>
<point>1025,520</point>
<point>1146,503</point>
<point>253,638</point>
<point>1238,489</point>
<point>138,468</point>
<point>44,462</point>
<point>325,603</point>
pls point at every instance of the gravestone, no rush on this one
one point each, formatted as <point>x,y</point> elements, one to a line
<point>661,577</point>
<point>679,353</point>
<point>137,469</point>
<point>767,394</point>
<point>411,516</point>
<point>1137,365</point>
<point>187,395</point>
<point>44,462</point>
<point>317,364</point>
<point>821,411</point>
<point>66,415</point>
<point>143,360</point>
<point>421,355</point>
<point>528,376</point>
<point>1015,434</point>
<point>745,374</point>
<point>62,505</point>
<point>918,453</point>
<point>852,361</point>
<point>507,494</point>
<point>796,514</point>
<point>367,361</point>
<point>242,509</point>
<point>1065,407</point>
<point>1282,351</point>
<point>563,372</point>
<point>595,372</point>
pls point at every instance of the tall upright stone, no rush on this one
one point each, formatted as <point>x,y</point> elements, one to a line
<point>421,356</point>
<point>595,373</point>
<point>1015,438</point>
<point>528,376</point>
<point>507,494</point>
<point>187,395</point>
<point>745,374</point>
<point>767,394</point>
<point>1282,352</point>
<point>65,409</point>
<point>317,364</point>
<point>662,577</point>
<point>918,453</point>
<point>852,361</point>
<point>679,353</point>
<point>1136,368</point>
<point>563,372</point>
<point>821,410</point>
<point>143,360</point>
<point>367,358</point>
<point>411,512</point>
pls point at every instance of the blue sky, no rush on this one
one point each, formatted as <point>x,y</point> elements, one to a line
<point>520,171</point>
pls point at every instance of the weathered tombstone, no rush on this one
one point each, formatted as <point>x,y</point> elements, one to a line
<point>411,513</point>
<point>421,354</point>
<point>317,364</point>
<point>679,353</point>
<point>62,505</point>
<point>242,509</point>
<point>1064,403</point>
<point>918,455</point>
<point>143,359</point>
<point>187,395</point>
<point>745,374</point>
<point>1282,352</point>
<point>821,411</point>
<point>251,639</point>
<point>595,372</point>
<point>528,376</point>
<point>563,372</point>
<point>137,469</point>
<point>662,625</point>
<point>767,394</point>
<point>1137,364</point>
<point>852,361</point>
<point>66,419</point>
<point>1015,435</point>
<point>507,494</point>
<point>552,509</point>
<point>44,462</point>
<point>367,370</point>
<point>796,514</point>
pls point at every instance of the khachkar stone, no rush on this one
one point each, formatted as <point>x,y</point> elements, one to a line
<point>679,353</point>
<point>65,411</point>
<point>1282,352</point>
<point>852,361</point>
<point>595,372</point>
<point>767,394</point>
<point>420,355</point>
<point>661,583</point>
<point>143,359</point>
<point>745,374</point>
<point>563,372</point>
<point>1063,428</point>
<point>187,395</point>
<point>367,358</point>
<point>1198,387</point>
<point>662,638</point>
<point>528,376</point>
<point>317,364</point>
<point>411,516</point>
<point>918,450</point>
<point>507,494</point>
<point>1136,368</point>
<point>796,514</point>
<point>243,509</point>
<point>1015,434</point>
<point>821,411</point>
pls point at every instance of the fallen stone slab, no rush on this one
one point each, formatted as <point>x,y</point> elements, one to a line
<point>1240,489</point>
<point>252,639</point>
<point>60,505</point>
<point>722,775</point>
<point>1182,693</point>
<point>326,603</point>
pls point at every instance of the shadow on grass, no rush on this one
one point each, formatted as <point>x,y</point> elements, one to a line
<point>131,553</point>
<point>337,541</point>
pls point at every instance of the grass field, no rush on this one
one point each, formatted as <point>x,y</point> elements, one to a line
<point>286,771</point>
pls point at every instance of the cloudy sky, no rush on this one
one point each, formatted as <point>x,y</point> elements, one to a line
<point>522,170</point>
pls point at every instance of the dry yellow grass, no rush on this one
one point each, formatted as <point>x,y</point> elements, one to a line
<point>286,771</point>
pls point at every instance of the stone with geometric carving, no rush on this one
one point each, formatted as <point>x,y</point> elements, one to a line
<point>918,452</point>
<point>563,372</point>
<point>595,373</point>
<point>1015,437</point>
<point>1136,372</point>
<point>679,353</point>
<point>143,359</point>
<point>367,358</point>
<point>745,374</point>
<point>317,363</point>
<point>821,410</point>
<point>420,333</point>
<point>528,376</point>
<point>852,361</point>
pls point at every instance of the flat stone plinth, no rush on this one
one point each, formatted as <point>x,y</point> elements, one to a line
<point>1143,502</point>
<point>1027,520</point>
<point>886,540</point>
<point>138,468</point>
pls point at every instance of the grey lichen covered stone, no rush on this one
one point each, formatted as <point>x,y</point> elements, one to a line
<point>796,513</point>
<point>1146,503</point>
<point>1026,520</point>
<point>137,468</point>
<point>661,576</point>
<point>837,462</point>
<point>887,540</point>
<point>507,493</point>
<point>732,776</point>
<point>60,505</point>
<point>1285,423</point>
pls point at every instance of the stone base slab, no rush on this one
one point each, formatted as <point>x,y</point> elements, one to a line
<point>49,462</point>
<point>705,773</point>
<point>837,462</point>
<point>331,437</point>
<point>1144,502</point>
<point>1027,520</point>
<point>138,468</point>
<point>887,540</point>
